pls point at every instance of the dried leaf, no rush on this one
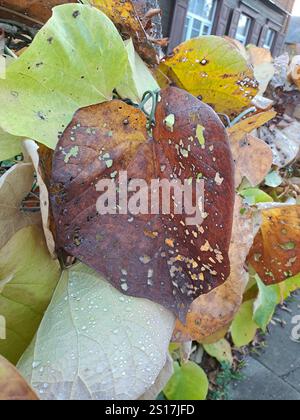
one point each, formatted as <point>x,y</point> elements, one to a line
<point>12,386</point>
<point>112,349</point>
<point>294,70</point>
<point>275,254</point>
<point>238,131</point>
<point>264,70</point>
<point>157,256</point>
<point>212,313</point>
<point>15,185</point>
<point>33,151</point>
<point>253,159</point>
<point>213,69</point>
<point>124,16</point>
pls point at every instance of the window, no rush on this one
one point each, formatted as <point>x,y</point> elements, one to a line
<point>200,18</point>
<point>243,28</point>
<point>270,37</point>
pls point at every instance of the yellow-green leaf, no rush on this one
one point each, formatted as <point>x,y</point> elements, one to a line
<point>221,350</point>
<point>214,69</point>
<point>243,328</point>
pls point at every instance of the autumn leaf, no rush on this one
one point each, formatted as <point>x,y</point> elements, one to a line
<point>213,313</point>
<point>253,159</point>
<point>244,328</point>
<point>221,350</point>
<point>238,131</point>
<point>275,252</point>
<point>124,16</point>
<point>28,277</point>
<point>32,11</point>
<point>157,256</point>
<point>15,185</point>
<point>10,146</point>
<point>12,386</point>
<point>113,348</point>
<point>214,70</point>
<point>264,70</point>
<point>44,87</point>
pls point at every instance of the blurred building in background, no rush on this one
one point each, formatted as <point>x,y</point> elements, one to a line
<point>261,22</point>
<point>293,36</point>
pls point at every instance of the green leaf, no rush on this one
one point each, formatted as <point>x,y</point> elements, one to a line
<point>287,287</point>
<point>10,146</point>
<point>220,350</point>
<point>76,60</point>
<point>189,382</point>
<point>273,179</point>
<point>138,79</point>
<point>95,343</point>
<point>255,196</point>
<point>265,304</point>
<point>244,328</point>
<point>28,277</point>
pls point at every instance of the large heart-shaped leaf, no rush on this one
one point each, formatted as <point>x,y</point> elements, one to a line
<point>76,60</point>
<point>95,343</point>
<point>275,253</point>
<point>10,145</point>
<point>157,256</point>
<point>28,277</point>
<point>215,70</point>
<point>12,386</point>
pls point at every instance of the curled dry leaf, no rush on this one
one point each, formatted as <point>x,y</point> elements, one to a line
<point>15,185</point>
<point>32,11</point>
<point>28,277</point>
<point>294,71</point>
<point>264,70</point>
<point>124,16</point>
<point>213,69</point>
<point>157,256</point>
<point>113,347</point>
<point>275,254</point>
<point>12,386</point>
<point>238,131</point>
<point>253,159</point>
<point>33,151</point>
<point>212,313</point>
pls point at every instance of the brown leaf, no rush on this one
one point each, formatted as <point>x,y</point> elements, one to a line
<point>275,254</point>
<point>34,11</point>
<point>253,159</point>
<point>12,386</point>
<point>154,256</point>
<point>211,314</point>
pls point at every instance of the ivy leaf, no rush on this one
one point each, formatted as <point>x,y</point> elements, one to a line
<point>275,252</point>
<point>114,347</point>
<point>28,277</point>
<point>12,386</point>
<point>189,382</point>
<point>265,304</point>
<point>10,145</point>
<point>124,16</point>
<point>156,256</point>
<point>15,185</point>
<point>76,60</point>
<point>221,350</point>
<point>213,69</point>
<point>244,328</point>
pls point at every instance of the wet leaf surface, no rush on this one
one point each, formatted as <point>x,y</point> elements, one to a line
<point>213,69</point>
<point>275,254</point>
<point>12,386</point>
<point>158,257</point>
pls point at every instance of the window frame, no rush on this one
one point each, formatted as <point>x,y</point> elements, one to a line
<point>244,38</point>
<point>273,38</point>
<point>192,17</point>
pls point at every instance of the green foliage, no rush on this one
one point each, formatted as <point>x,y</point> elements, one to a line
<point>244,328</point>
<point>265,304</point>
<point>189,382</point>
<point>221,351</point>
